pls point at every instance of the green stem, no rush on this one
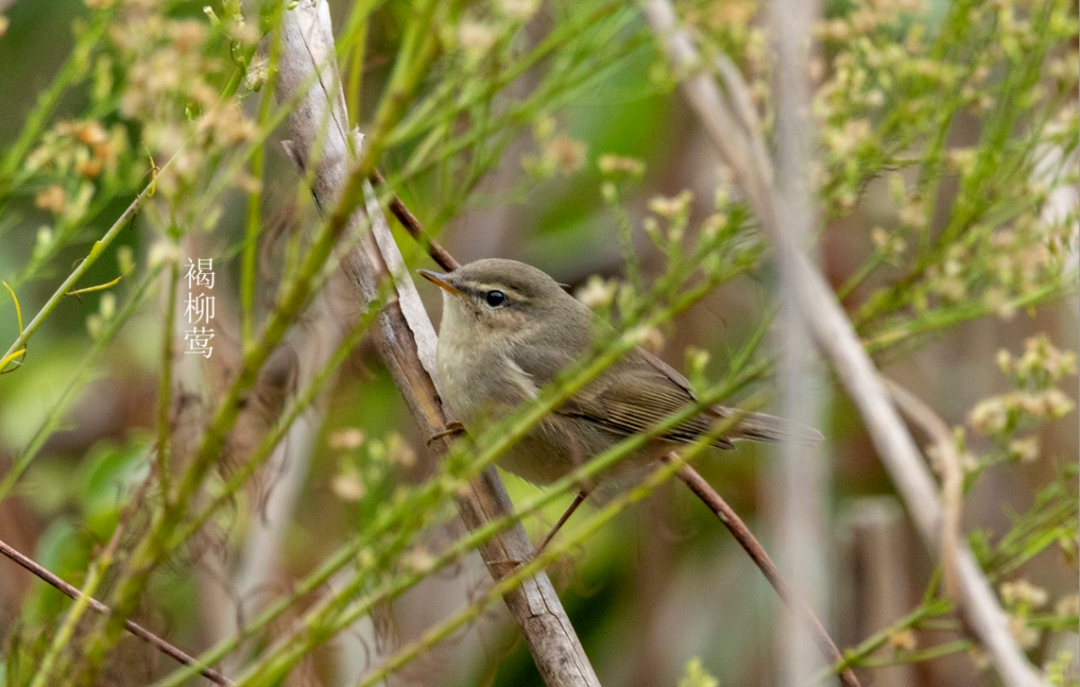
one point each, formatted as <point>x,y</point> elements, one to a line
<point>153,546</point>
<point>930,654</point>
<point>489,446</point>
<point>492,444</point>
<point>327,620</point>
<point>83,372</point>
<point>82,268</point>
<point>856,656</point>
<point>165,384</point>
<point>943,319</point>
<point>252,226</point>
<point>354,90</point>
<point>62,638</point>
<point>442,631</point>
<point>74,67</point>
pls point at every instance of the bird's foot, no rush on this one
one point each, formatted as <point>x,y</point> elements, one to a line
<point>450,430</point>
<point>504,567</point>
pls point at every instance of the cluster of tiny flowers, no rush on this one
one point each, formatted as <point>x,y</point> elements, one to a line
<point>170,75</point>
<point>1035,400</point>
<point>363,461</point>
<point>881,98</point>
<point>558,152</point>
<point>481,29</point>
<point>675,212</point>
<point>862,82</point>
<point>1001,414</point>
<point>1040,365</point>
<point>85,148</point>
<point>997,266</point>
<point>904,640</point>
<point>71,163</point>
<point>598,293</point>
<point>732,28</point>
<point>1021,598</point>
<point>614,165</point>
<point>475,38</point>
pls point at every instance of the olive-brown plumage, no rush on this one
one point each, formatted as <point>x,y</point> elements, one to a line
<point>508,329</point>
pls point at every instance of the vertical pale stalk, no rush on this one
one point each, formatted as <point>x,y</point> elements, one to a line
<point>165,381</point>
<point>799,482</point>
<point>253,220</point>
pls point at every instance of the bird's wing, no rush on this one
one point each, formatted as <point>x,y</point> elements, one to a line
<point>751,426</point>
<point>646,390</point>
<point>640,391</point>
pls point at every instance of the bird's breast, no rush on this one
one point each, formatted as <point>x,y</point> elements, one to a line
<point>479,382</point>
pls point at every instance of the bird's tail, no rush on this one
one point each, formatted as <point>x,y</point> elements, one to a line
<point>762,427</point>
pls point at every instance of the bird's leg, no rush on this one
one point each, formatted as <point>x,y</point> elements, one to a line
<point>452,429</point>
<point>578,500</point>
<point>509,565</point>
<point>506,566</point>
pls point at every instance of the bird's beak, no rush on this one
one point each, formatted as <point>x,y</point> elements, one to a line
<point>441,280</point>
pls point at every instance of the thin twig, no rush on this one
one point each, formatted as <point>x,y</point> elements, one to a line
<point>904,463</point>
<point>440,255</point>
<point>952,477</point>
<point>704,491</point>
<point>98,566</point>
<point>134,628</point>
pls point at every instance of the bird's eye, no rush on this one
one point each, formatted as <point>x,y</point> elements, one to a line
<point>495,298</point>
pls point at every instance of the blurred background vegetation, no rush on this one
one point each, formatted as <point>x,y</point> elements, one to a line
<point>551,132</point>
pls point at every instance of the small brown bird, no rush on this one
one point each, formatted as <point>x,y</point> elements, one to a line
<point>508,329</point>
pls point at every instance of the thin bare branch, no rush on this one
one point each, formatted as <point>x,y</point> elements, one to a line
<point>698,486</point>
<point>134,628</point>
<point>731,520</point>
<point>440,255</point>
<point>952,477</point>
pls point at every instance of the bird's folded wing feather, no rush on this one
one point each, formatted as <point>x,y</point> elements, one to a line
<point>640,397</point>
<point>749,425</point>
<point>647,390</point>
<point>641,390</point>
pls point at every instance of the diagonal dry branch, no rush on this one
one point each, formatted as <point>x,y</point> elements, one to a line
<point>131,626</point>
<point>740,146</point>
<point>746,539</point>
<point>407,339</point>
